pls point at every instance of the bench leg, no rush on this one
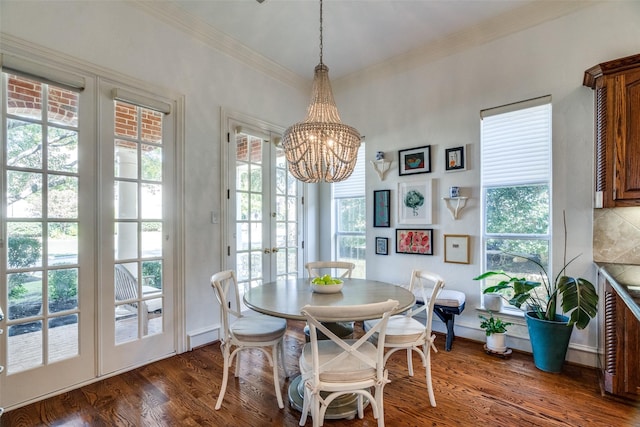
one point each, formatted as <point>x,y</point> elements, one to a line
<point>448,316</point>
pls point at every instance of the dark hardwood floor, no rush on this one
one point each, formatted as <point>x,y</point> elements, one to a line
<point>471,388</point>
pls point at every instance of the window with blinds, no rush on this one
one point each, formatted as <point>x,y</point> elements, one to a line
<point>516,187</point>
<point>349,217</point>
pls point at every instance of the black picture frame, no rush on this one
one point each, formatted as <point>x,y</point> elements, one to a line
<point>381,208</point>
<point>382,246</point>
<point>454,159</point>
<point>415,160</point>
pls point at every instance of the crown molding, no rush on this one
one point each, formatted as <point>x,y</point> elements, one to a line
<point>199,30</point>
<point>513,21</point>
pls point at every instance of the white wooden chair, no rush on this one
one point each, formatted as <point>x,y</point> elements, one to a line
<point>317,268</point>
<point>334,367</point>
<point>240,332</point>
<point>404,332</point>
<point>126,290</point>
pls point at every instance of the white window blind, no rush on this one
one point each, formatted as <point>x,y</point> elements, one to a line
<point>354,186</point>
<point>516,144</point>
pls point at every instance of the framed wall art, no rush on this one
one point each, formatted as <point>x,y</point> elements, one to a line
<point>381,209</point>
<point>456,248</point>
<point>414,202</point>
<point>455,159</point>
<point>415,160</point>
<point>414,241</point>
<point>382,244</point>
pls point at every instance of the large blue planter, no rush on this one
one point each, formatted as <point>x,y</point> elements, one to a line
<point>549,341</point>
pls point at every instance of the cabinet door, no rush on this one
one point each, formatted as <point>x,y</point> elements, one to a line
<point>626,138</point>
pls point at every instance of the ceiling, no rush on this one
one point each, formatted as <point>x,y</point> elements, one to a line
<point>357,34</point>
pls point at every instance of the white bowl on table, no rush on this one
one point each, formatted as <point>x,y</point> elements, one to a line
<point>327,289</point>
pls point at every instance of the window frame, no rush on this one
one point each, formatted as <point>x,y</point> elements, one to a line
<point>486,236</point>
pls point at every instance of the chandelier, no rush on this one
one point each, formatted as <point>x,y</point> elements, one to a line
<point>321,148</point>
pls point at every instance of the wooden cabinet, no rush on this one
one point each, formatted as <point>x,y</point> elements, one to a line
<point>620,341</point>
<point>617,131</point>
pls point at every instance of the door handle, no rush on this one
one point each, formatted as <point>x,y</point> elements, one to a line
<point>267,250</point>
<point>274,250</point>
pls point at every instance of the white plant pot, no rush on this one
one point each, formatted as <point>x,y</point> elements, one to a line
<point>496,342</point>
<point>493,302</point>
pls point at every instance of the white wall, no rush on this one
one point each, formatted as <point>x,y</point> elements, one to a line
<point>118,37</point>
<point>405,105</point>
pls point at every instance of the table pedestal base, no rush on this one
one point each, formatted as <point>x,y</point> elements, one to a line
<point>345,406</point>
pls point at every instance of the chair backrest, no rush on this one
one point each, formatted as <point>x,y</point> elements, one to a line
<point>427,291</point>
<point>225,287</point>
<point>126,286</point>
<point>342,268</point>
<point>316,315</point>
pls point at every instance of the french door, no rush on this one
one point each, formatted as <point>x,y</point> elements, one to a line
<point>47,284</point>
<point>136,264</point>
<point>87,231</point>
<point>265,215</point>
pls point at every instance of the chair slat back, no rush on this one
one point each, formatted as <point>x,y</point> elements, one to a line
<point>343,268</point>
<point>225,286</point>
<point>428,292</point>
<point>316,315</point>
<point>126,286</point>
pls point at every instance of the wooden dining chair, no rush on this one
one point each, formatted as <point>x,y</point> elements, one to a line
<point>334,367</point>
<point>255,331</point>
<point>342,268</point>
<point>404,332</point>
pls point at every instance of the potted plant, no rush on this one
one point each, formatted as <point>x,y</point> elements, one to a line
<point>496,330</point>
<point>549,331</point>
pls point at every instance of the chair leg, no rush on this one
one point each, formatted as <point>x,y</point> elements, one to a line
<point>276,381</point>
<point>305,407</point>
<point>410,362</point>
<point>284,365</point>
<point>380,404</point>
<point>427,369</point>
<point>225,377</point>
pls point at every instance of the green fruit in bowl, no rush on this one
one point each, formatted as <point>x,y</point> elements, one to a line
<point>326,280</point>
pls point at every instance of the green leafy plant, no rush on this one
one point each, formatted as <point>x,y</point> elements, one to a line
<point>578,295</point>
<point>493,325</point>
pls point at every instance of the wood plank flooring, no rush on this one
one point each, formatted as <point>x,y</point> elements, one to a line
<point>471,388</point>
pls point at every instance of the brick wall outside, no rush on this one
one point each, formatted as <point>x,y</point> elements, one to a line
<point>25,99</point>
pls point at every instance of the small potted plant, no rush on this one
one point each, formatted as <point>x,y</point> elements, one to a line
<point>496,330</point>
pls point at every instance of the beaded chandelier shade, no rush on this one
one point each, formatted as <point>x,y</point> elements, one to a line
<point>321,148</point>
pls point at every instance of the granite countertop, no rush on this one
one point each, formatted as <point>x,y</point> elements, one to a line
<point>625,279</point>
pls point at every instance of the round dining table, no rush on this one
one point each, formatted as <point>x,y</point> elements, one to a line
<point>285,298</point>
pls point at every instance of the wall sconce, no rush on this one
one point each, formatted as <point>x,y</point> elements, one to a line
<point>380,165</point>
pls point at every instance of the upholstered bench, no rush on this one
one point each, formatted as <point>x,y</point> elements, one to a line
<point>448,304</point>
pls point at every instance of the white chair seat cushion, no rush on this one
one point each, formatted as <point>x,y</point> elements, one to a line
<point>400,329</point>
<point>345,370</point>
<point>258,328</point>
<point>153,305</point>
<point>446,297</point>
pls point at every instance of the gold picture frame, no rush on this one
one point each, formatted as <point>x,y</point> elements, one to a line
<point>457,249</point>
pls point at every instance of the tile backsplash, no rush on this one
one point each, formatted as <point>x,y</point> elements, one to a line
<point>616,235</point>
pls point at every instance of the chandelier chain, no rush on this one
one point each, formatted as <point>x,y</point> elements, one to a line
<point>320,31</point>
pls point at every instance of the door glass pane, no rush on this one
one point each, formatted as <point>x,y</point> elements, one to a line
<point>24,194</point>
<point>62,243</point>
<point>126,200</point>
<point>63,196</point>
<point>126,165</point>
<point>126,240</point>
<point>63,337</point>
<point>151,239</point>
<point>63,150</point>
<point>24,142</point>
<point>151,162</point>
<point>63,289</point>
<point>151,202</point>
